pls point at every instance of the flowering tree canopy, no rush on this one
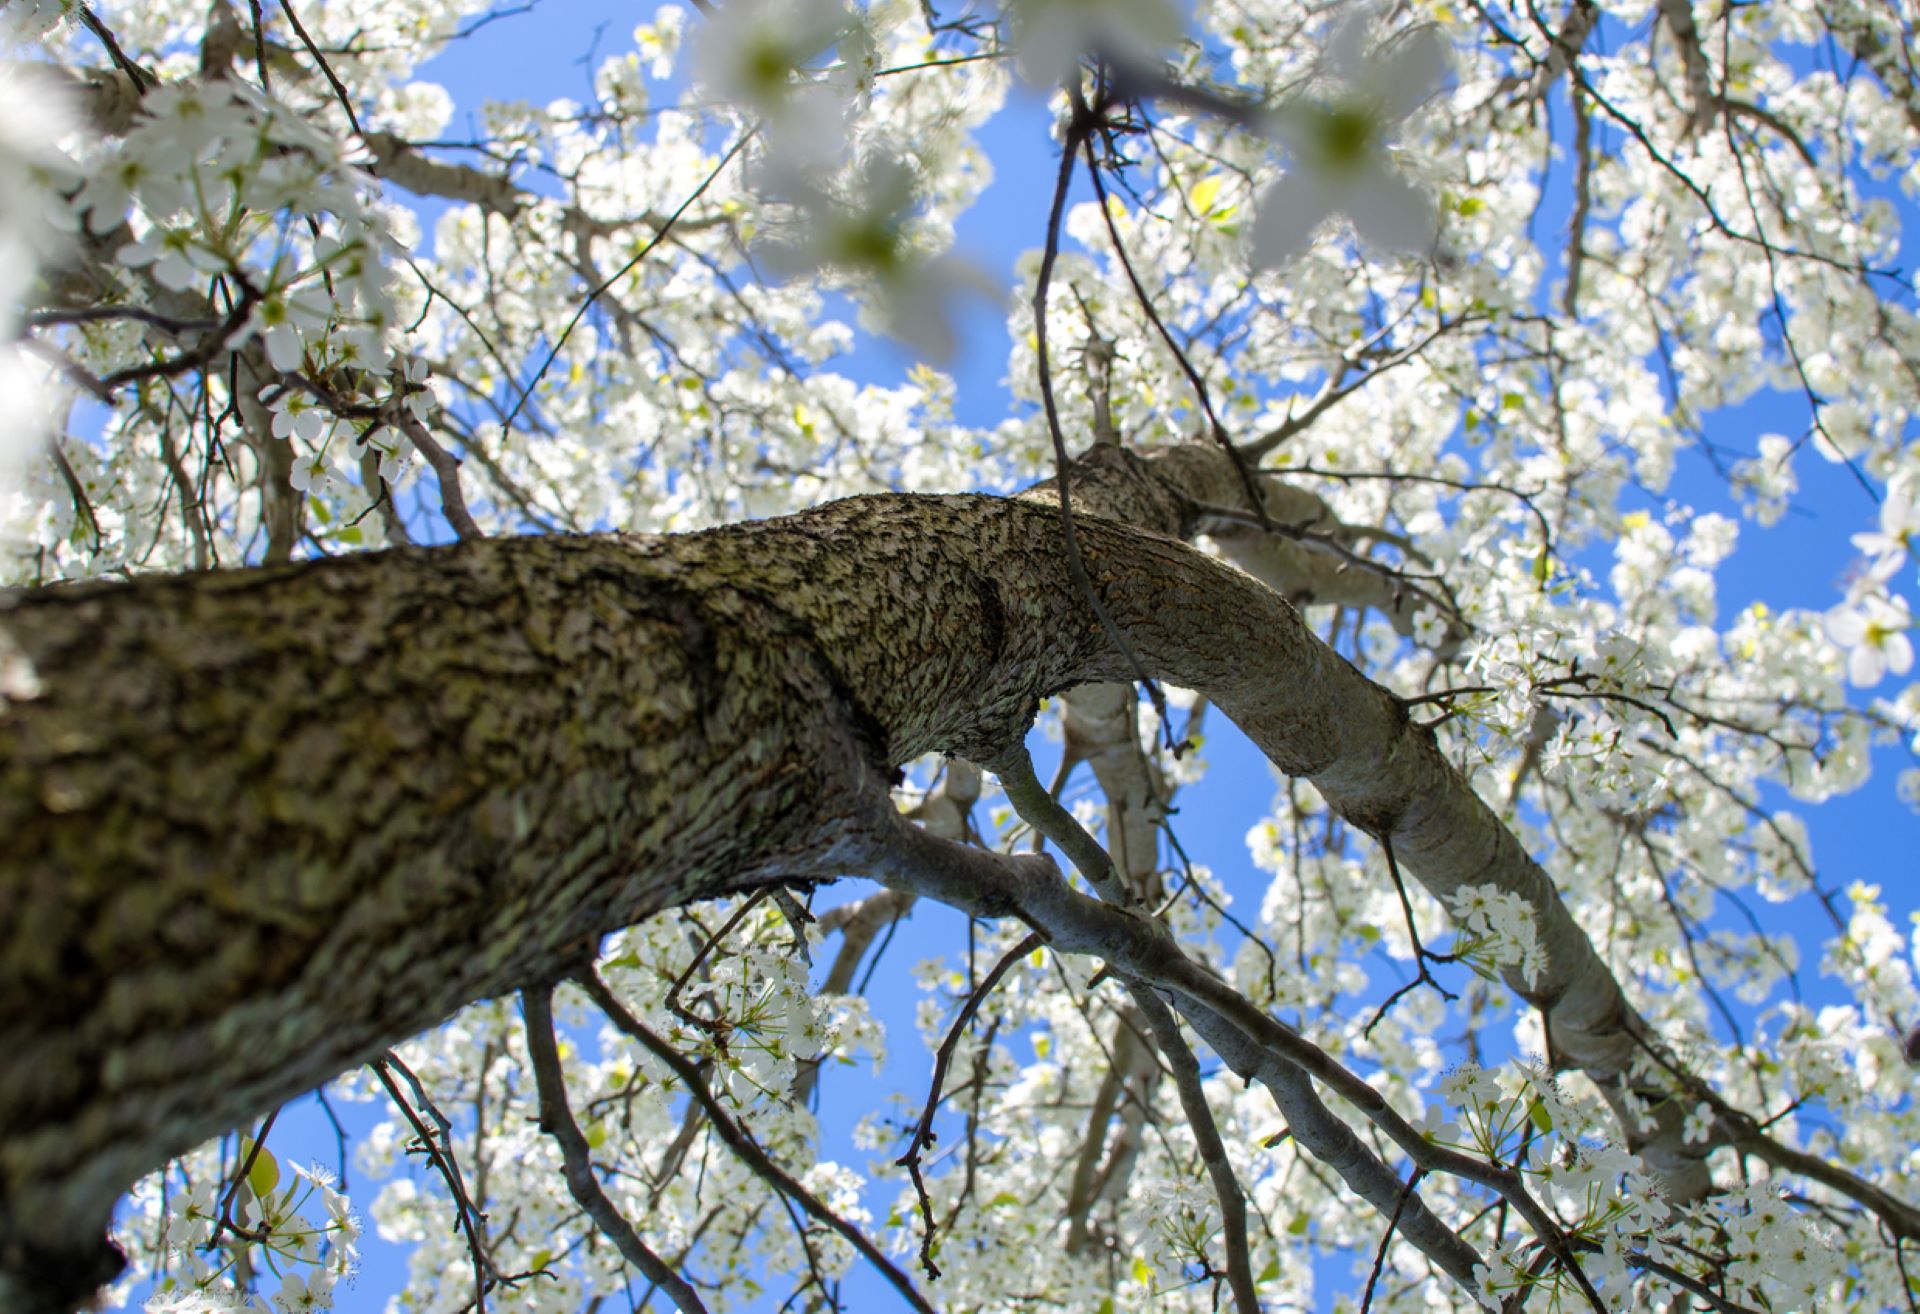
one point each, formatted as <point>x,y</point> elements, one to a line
<point>481,636</point>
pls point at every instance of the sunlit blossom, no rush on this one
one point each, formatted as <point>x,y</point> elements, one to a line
<point>1873,630</point>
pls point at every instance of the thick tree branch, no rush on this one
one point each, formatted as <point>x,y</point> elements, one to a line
<point>263,824</point>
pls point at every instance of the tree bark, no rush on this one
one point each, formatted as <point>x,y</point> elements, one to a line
<point>261,824</point>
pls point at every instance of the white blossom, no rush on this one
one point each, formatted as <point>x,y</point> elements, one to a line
<point>1873,629</point>
<point>1889,547</point>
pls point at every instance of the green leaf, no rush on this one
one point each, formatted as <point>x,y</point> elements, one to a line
<point>1106,1306</point>
<point>541,1258</point>
<point>1511,401</point>
<point>1471,205</point>
<point>1269,1273</point>
<point>1537,1114</point>
<point>1004,1198</point>
<point>1298,1227</point>
<point>1205,192</point>
<point>1542,567</point>
<point>265,1173</point>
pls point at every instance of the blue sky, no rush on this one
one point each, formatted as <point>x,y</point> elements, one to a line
<point>539,56</point>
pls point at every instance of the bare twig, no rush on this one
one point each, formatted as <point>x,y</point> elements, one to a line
<point>1421,955</point>
<point>1206,1138</point>
<point>446,472</point>
<point>1216,430</point>
<point>1386,1237</point>
<point>601,288</point>
<point>143,81</point>
<point>1077,129</point>
<point>326,69</point>
<point>923,1135</point>
<point>241,1178</point>
<point>436,1143</point>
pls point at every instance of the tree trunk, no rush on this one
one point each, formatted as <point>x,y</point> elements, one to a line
<point>261,824</point>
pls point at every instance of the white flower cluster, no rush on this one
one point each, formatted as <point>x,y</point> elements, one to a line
<point>235,217</point>
<point>205,178</point>
<point>1499,930</point>
<point>1872,624</point>
<point>212,1240</point>
<point>1766,1254</point>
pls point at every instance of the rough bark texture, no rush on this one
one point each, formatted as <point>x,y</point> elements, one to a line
<point>261,824</point>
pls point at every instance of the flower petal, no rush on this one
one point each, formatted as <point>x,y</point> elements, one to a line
<point>1346,48</point>
<point>1865,666</point>
<point>284,348</point>
<point>1846,627</point>
<point>1289,212</point>
<point>1899,653</point>
<point>1391,213</point>
<point>1410,71</point>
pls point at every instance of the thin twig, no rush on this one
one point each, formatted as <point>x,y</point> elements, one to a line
<point>923,1135</point>
<point>557,1121</point>
<point>326,69</point>
<point>1076,564</point>
<point>446,472</point>
<point>143,81</point>
<point>240,1178</point>
<point>1206,1138</point>
<point>439,1151</point>
<point>602,287</point>
<point>742,1144</point>
<point>1215,429</point>
<point>708,1025</point>
<point>1420,952</point>
<point>1393,1221</point>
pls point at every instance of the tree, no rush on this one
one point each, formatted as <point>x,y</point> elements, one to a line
<point>1324,429</point>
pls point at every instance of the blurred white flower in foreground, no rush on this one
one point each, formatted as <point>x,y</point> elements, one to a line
<point>868,237</point>
<point>759,55</point>
<point>1874,632</point>
<point>34,227</point>
<point>1338,148</point>
<point>1050,37</point>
